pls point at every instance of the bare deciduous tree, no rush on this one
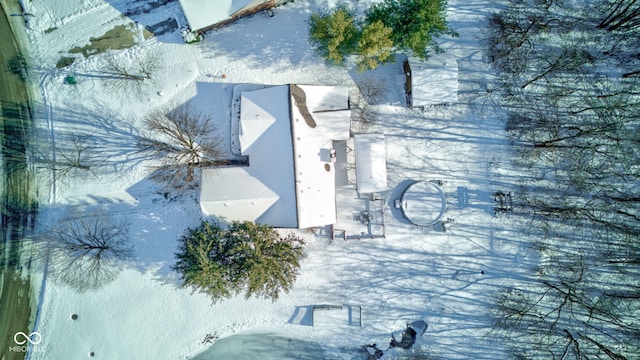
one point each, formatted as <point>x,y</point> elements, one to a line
<point>620,15</point>
<point>372,90</point>
<point>84,252</point>
<point>76,155</point>
<point>574,129</point>
<point>184,139</point>
<point>126,76</point>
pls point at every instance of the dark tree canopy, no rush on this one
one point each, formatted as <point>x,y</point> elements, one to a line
<point>415,23</point>
<point>245,258</point>
<point>374,46</point>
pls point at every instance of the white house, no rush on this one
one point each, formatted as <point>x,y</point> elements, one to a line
<point>433,81</point>
<point>287,132</point>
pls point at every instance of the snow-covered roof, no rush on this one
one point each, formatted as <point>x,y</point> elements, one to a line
<point>256,116</point>
<point>289,156</point>
<point>371,164</point>
<point>204,13</point>
<point>434,81</point>
<point>234,194</point>
<point>328,107</point>
<point>266,138</point>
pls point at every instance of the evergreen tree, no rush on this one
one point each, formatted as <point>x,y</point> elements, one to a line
<point>415,23</point>
<point>374,46</point>
<point>334,34</point>
<point>203,260</point>
<point>245,258</point>
<point>268,263</point>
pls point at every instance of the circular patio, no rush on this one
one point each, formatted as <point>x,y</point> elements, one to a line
<point>424,203</point>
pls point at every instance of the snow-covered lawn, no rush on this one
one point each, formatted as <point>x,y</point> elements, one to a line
<point>446,279</point>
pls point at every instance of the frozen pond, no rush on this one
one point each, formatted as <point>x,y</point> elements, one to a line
<point>264,347</point>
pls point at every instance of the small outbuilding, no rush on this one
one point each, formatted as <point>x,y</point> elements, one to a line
<point>433,81</point>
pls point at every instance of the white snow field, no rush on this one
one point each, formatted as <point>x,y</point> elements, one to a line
<point>445,278</point>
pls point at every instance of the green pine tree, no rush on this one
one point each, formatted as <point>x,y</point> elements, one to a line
<point>245,258</point>
<point>333,34</point>
<point>201,260</point>
<point>374,46</point>
<point>415,23</point>
<point>269,264</point>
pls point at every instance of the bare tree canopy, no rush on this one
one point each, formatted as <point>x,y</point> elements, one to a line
<point>621,15</point>
<point>126,76</point>
<point>573,121</point>
<point>74,155</point>
<point>184,139</point>
<point>84,252</point>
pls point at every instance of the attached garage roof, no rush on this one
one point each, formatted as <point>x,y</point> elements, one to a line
<point>328,109</point>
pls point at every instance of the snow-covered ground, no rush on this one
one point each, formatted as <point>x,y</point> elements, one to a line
<point>446,279</point>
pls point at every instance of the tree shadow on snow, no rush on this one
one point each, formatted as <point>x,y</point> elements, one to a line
<point>112,141</point>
